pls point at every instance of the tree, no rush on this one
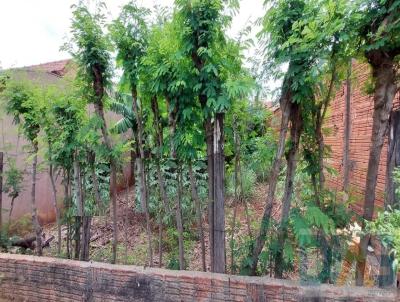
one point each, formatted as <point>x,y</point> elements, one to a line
<point>13,178</point>
<point>219,79</point>
<point>90,48</point>
<point>24,104</point>
<point>129,33</point>
<point>279,27</point>
<point>379,31</point>
<point>167,81</point>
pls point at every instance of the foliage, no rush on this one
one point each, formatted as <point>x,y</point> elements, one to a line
<point>387,227</point>
<point>89,46</point>
<point>13,178</point>
<point>248,179</point>
<point>23,103</point>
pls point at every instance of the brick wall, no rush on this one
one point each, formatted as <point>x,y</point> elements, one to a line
<point>360,138</point>
<point>30,278</point>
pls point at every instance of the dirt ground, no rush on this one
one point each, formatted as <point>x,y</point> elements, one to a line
<point>132,239</point>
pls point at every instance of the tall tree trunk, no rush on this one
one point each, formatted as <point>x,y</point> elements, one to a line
<point>67,206</point>
<point>196,200</point>
<point>219,200</point>
<point>208,129</point>
<point>35,220</point>
<point>142,173</point>
<point>160,144</point>
<point>387,275</point>
<point>85,243</point>
<point>326,247</point>
<point>285,106</point>
<point>85,221</point>
<point>11,209</point>
<point>295,133</point>
<point>96,188</point>
<point>172,121</point>
<point>132,164</point>
<point>58,218</point>
<point>236,198</point>
<point>79,201</point>
<point>160,241</point>
<point>347,132</point>
<point>161,181</point>
<point>1,192</point>
<point>98,85</point>
<point>179,222</point>
<point>126,220</point>
<point>384,74</point>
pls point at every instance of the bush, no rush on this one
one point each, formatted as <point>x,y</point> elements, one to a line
<point>248,178</point>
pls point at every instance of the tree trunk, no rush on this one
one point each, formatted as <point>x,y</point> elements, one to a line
<point>385,89</point>
<point>77,236</point>
<point>172,121</point>
<point>126,220</point>
<point>159,144</point>
<point>196,200</point>
<point>79,205</point>
<point>11,209</point>
<point>285,105</point>
<point>58,218</point>
<point>160,243</point>
<point>232,243</point>
<point>142,173</point>
<point>98,85</point>
<point>208,128</point>
<point>96,189</point>
<point>161,181</point>
<point>132,163</point>
<point>219,201</point>
<point>179,222</point>
<point>326,248</point>
<point>1,192</point>
<point>85,244</point>
<point>387,275</point>
<point>85,221</point>
<point>236,198</point>
<point>347,133</point>
<point>67,207</point>
<point>295,133</point>
<point>35,220</point>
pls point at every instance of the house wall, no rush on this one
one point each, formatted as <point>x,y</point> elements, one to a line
<point>360,138</point>
<point>30,278</point>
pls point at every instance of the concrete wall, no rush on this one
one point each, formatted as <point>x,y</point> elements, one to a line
<point>30,278</point>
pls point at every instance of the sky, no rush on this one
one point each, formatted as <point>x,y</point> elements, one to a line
<point>32,31</point>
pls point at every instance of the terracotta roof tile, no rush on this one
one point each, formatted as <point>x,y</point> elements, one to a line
<point>57,68</point>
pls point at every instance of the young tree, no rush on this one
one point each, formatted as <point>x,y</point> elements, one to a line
<point>166,76</point>
<point>379,30</point>
<point>219,79</point>
<point>68,115</point>
<point>130,34</point>
<point>25,105</point>
<point>90,48</point>
<point>13,178</point>
<point>279,26</point>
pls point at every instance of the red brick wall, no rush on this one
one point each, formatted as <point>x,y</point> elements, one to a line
<point>30,278</point>
<point>360,138</point>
